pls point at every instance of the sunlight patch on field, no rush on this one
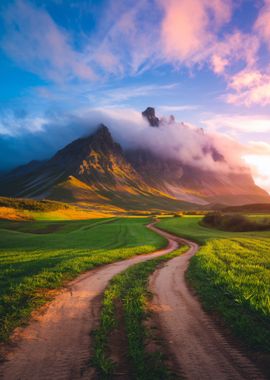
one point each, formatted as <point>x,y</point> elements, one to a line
<point>9,213</point>
<point>71,214</point>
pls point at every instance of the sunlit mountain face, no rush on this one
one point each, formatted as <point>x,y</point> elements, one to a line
<point>67,67</point>
<point>169,166</point>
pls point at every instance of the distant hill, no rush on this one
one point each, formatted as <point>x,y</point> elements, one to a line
<point>95,172</point>
<point>251,208</point>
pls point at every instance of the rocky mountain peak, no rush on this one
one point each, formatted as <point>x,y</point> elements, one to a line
<point>150,115</point>
<point>102,131</point>
<point>103,141</point>
<point>96,167</point>
<point>102,135</point>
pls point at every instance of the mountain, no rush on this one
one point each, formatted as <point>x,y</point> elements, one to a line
<point>260,208</point>
<point>150,115</point>
<point>193,184</point>
<point>94,171</point>
<point>91,171</point>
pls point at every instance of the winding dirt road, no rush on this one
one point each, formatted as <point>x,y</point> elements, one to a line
<point>199,348</point>
<point>57,342</point>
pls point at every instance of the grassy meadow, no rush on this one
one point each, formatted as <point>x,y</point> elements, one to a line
<point>231,274</point>
<point>37,257</point>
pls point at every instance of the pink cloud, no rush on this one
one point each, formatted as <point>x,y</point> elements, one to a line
<point>179,32</point>
<point>250,87</point>
<point>190,34</point>
<point>219,63</point>
<point>189,26</point>
<point>234,47</point>
<point>252,84</point>
<point>245,79</point>
<point>262,25</point>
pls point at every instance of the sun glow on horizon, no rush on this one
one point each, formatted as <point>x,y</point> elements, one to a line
<point>260,167</point>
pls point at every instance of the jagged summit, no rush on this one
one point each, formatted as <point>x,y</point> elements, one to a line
<point>102,132</point>
<point>79,149</point>
<point>103,139</point>
<point>150,115</point>
<point>95,168</point>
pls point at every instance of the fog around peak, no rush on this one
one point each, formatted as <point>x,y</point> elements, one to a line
<point>172,139</point>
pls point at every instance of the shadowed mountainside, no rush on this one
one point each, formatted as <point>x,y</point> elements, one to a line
<point>95,171</point>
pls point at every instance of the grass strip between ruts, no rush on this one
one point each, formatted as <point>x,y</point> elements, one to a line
<point>130,289</point>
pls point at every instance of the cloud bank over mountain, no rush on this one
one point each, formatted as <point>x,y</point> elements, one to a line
<point>172,139</point>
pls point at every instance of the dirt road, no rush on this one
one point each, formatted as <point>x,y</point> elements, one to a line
<point>198,346</point>
<point>57,342</point>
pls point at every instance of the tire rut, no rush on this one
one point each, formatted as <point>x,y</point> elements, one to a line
<point>199,347</point>
<point>57,342</point>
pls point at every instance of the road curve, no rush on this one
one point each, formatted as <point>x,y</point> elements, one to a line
<point>199,348</point>
<point>57,342</point>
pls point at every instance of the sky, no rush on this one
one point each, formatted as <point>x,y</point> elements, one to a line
<point>205,61</point>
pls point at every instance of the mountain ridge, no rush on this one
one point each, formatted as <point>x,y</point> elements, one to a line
<point>95,171</point>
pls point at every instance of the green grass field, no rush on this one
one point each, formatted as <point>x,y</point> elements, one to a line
<point>37,257</point>
<point>231,274</point>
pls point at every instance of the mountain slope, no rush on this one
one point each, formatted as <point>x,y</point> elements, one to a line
<point>193,184</point>
<point>92,172</point>
<point>95,172</point>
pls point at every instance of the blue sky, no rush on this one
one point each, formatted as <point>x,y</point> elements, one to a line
<point>205,61</point>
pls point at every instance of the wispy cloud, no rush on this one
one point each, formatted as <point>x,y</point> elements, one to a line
<point>178,108</point>
<point>121,94</point>
<point>72,96</point>
<point>238,123</point>
<point>12,124</point>
<point>130,45</point>
<point>250,87</point>
<point>50,102</point>
<point>35,42</point>
<point>262,25</point>
<point>134,39</point>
